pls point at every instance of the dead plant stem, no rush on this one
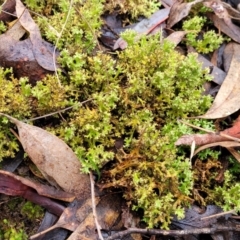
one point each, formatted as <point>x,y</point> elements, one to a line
<point>94,207</point>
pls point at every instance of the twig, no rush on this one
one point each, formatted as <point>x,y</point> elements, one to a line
<point>59,111</point>
<point>172,232</point>
<point>196,127</point>
<point>99,46</point>
<point>219,214</point>
<point>209,131</point>
<point>55,47</point>
<point>94,207</point>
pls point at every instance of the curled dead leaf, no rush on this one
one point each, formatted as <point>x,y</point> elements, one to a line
<point>228,97</point>
<point>56,161</point>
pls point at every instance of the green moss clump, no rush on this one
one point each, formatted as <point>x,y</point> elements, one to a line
<point>133,7</point>
<point>9,231</point>
<point>208,42</point>
<point>31,210</point>
<point>135,97</point>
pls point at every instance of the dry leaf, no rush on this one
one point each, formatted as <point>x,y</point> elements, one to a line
<point>41,189</point>
<point>6,8</point>
<point>233,31</point>
<point>232,133</point>
<point>226,144</point>
<point>56,161</point>
<point>176,37</point>
<point>180,10</point>
<point>222,19</point>
<point>73,215</point>
<point>145,26</point>
<point>13,185</point>
<point>108,212</point>
<point>227,100</point>
<point>31,57</point>
<point>79,218</point>
<point>217,74</point>
<point>234,153</point>
<point>42,54</point>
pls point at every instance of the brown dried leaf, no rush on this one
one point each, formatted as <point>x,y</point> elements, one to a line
<point>42,190</point>
<point>56,161</point>
<point>72,216</point>
<point>226,144</point>
<point>13,185</point>
<point>145,26</point>
<point>232,133</point>
<point>199,139</point>
<point>6,8</point>
<point>19,55</point>
<point>176,37</point>
<point>108,212</point>
<point>42,53</point>
<point>228,97</point>
<point>79,218</point>
<point>228,27</point>
<point>179,10</point>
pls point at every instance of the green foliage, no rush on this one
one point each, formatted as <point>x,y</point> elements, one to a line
<point>10,231</point>
<point>19,99</point>
<point>203,42</point>
<point>82,28</point>
<point>31,210</point>
<point>226,196</point>
<point>136,96</point>
<point>133,7</point>
<point>2,27</point>
<point>234,166</point>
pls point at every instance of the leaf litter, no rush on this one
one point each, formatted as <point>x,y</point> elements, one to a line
<point>56,161</point>
<point>31,57</point>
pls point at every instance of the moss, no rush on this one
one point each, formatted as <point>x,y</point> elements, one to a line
<point>31,210</point>
<point>203,42</point>
<point>9,231</point>
<point>133,7</point>
<point>136,96</point>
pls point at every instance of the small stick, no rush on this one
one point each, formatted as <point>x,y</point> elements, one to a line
<point>59,111</point>
<point>211,230</point>
<point>94,207</point>
<point>209,131</point>
<point>196,127</point>
<point>219,214</point>
<point>60,35</point>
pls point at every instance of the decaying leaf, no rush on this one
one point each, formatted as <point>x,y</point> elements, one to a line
<point>217,74</point>
<point>31,57</point>
<point>13,185</point>
<point>179,10</point>
<point>176,37</point>
<point>41,189</point>
<point>233,31</point>
<point>145,26</point>
<point>56,161</point>
<point>222,18</point>
<point>108,212</point>
<point>7,7</point>
<point>72,216</point>
<point>228,97</point>
<point>42,53</point>
<point>232,133</point>
<point>226,144</point>
<point>78,217</point>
